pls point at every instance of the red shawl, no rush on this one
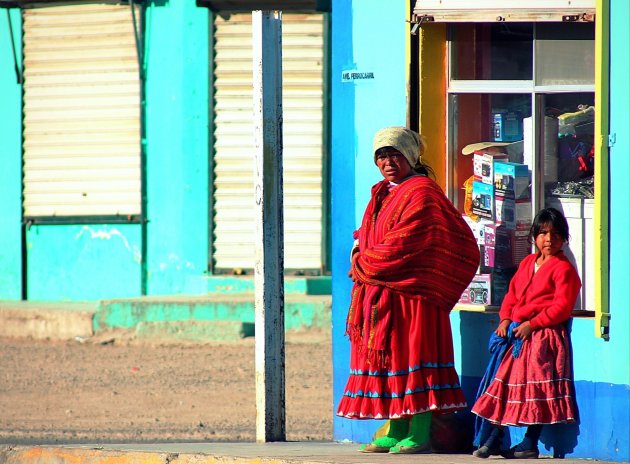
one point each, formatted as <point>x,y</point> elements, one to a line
<point>412,241</point>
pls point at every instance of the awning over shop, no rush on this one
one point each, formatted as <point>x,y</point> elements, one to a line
<point>43,3</point>
<point>250,5</point>
<point>504,10</point>
<point>214,5</point>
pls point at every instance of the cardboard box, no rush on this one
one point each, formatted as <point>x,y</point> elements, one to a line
<point>482,268</point>
<point>483,165</point>
<point>511,180</point>
<point>507,126</point>
<point>478,291</point>
<point>500,282</point>
<point>513,214</point>
<point>487,289</point>
<point>489,246</point>
<point>504,248</point>
<point>477,227</point>
<point>483,199</point>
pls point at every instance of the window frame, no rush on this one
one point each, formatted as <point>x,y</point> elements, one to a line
<point>537,92</point>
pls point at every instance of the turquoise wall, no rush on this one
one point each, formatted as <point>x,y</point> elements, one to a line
<point>366,38</point>
<point>177,128</point>
<point>602,368</point>
<point>171,250</point>
<point>620,179</point>
<point>616,353</point>
<point>10,160</point>
<point>83,262</point>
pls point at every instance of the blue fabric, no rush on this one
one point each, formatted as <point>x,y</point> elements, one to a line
<point>497,346</point>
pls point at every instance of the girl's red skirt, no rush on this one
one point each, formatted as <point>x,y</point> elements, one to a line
<point>534,388</point>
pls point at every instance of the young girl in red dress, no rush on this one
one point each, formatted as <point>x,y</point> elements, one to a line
<point>533,384</point>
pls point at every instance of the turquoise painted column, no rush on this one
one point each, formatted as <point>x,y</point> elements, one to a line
<point>368,81</point>
<point>10,156</point>
<point>619,239</point>
<point>177,152</point>
<point>602,372</point>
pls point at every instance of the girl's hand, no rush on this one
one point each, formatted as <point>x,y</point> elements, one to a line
<point>502,329</point>
<point>523,330</point>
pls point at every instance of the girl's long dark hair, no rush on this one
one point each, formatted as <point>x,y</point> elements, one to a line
<point>549,216</point>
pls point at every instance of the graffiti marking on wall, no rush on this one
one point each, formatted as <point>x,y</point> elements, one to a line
<point>108,235</point>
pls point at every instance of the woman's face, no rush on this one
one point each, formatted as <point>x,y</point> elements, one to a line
<point>393,165</point>
<point>548,241</point>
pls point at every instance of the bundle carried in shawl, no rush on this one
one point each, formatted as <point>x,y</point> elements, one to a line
<point>412,241</point>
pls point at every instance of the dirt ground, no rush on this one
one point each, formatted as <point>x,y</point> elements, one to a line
<point>113,389</point>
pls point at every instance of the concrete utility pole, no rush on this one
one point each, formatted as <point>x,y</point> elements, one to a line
<point>269,265</point>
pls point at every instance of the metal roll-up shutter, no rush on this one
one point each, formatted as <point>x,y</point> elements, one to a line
<point>81,111</point>
<point>504,10</point>
<point>302,62</point>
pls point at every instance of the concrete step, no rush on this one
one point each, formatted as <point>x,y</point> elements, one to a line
<point>293,285</point>
<point>193,331</point>
<point>300,311</point>
<point>192,318</point>
<point>45,320</point>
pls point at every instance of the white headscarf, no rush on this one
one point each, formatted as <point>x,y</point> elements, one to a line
<point>408,142</point>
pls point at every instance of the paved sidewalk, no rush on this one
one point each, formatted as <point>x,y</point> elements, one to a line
<point>227,453</point>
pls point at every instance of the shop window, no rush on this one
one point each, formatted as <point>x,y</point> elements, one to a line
<point>492,51</point>
<point>521,111</point>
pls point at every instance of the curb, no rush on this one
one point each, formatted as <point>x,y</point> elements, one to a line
<point>46,321</point>
<point>181,318</point>
<point>227,453</point>
<point>95,456</point>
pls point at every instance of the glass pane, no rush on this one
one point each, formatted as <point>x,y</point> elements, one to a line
<point>568,172</point>
<point>567,144</point>
<point>492,51</point>
<point>565,53</point>
<point>484,123</point>
<point>491,185</point>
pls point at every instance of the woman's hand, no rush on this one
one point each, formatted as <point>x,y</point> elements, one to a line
<point>502,328</point>
<point>353,258</point>
<point>523,330</point>
<point>353,255</point>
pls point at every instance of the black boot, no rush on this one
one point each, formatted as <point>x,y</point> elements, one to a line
<point>492,445</point>
<point>528,448</point>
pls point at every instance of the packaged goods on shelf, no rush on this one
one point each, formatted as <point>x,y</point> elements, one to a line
<point>513,214</point>
<point>511,180</point>
<point>504,248</point>
<point>487,289</point>
<point>477,227</point>
<point>483,165</point>
<point>483,200</point>
<point>507,126</point>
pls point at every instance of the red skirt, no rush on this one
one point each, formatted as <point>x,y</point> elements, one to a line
<point>534,388</point>
<point>420,375</point>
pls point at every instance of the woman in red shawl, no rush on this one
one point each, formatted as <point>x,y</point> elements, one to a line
<point>414,258</point>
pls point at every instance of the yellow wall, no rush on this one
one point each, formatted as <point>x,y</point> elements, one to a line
<point>432,96</point>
